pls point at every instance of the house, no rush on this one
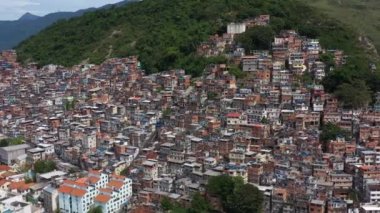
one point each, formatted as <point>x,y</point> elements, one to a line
<point>35,154</point>
<point>234,118</point>
<point>317,206</point>
<point>15,204</point>
<point>369,208</point>
<point>373,193</point>
<point>9,155</point>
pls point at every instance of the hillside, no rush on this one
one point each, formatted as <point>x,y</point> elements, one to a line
<point>165,33</point>
<point>14,32</point>
<point>363,16</point>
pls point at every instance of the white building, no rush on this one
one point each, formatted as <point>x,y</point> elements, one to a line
<point>373,193</point>
<point>49,148</point>
<point>115,195</point>
<point>50,197</point>
<point>369,208</point>
<point>80,195</point>
<point>15,204</point>
<point>236,28</point>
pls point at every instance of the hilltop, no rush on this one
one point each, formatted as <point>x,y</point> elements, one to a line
<point>165,34</point>
<point>14,32</point>
<point>28,17</point>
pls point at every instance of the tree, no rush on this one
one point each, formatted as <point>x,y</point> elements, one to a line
<point>331,131</point>
<point>245,199</point>
<point>354,95</point>
<point>43,166</point>
<point>221,186</point>
<point>125,172</point>
<point>97,209</point>
<point>27,179</point>
<point>174,207</point>
<point>236,196</point>
<point>307,78</point>
<point>236,71</point>
<point>11,141</point>
<point>256,38</point>
<point>264,120</point>
<point>199,204</point>
<point>328,59</point>
<point>212,95</point>
<point>167,112</point>
<point>4,143</point>
<point>166,204</point>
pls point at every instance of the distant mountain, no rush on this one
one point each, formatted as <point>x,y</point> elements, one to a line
<point>28,17</point>
<point>14,32</point>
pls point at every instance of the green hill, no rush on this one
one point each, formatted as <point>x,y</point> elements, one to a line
<point>361,15</point>
<point>165,33</point>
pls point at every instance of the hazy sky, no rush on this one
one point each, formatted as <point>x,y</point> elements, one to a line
<point>13,9</point>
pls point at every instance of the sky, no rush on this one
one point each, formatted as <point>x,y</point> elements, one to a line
<point>14,9</point>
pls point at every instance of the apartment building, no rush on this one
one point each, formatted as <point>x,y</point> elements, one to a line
<point>110,192</point>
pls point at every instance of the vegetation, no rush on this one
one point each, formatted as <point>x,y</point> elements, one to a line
<point>97,209</point>
<point>331,131</point>
<point>166,112</point>
<point>198,205</point>
<point>168,205</point>
<point>28,179</point>
<point>354,95</point>
<point>43,166</point>
<point>257,38</point>
<point>212,95</point>
<point>235,196</point>
<point>11,141</point>
<point>236,71</point>
<point>165,34</point>
<point>125,171</point>
<point>70,104</point>
<point>360,15</point>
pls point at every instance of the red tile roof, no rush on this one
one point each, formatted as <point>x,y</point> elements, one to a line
<point>118,177</point>
<point>81,180</point>
<point>21,186</point>
<point>78,192</point>
<point>93,179</point>
<point>65,189</point>
<point>102,198</point>
<point>116,184</point>
<point>69,182</point>
<point>4,168</point>
<point>97,172</point>
<point>106,190</point>
<point>233,115</point>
